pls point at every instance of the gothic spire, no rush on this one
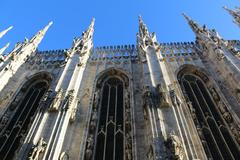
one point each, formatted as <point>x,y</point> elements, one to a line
<point>235,14</point>
<point>143,31</point>
<point>144,38</point>
<point>4,48</point>
<point>194,26</point>
<point>87,35</point>
<point>39,36</point>
<point>5,31</point>
<point>84,43</point>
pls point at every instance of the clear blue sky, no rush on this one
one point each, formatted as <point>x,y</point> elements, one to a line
<point>116,20</point>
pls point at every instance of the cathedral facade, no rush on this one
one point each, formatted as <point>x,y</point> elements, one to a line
<point>148,101</point>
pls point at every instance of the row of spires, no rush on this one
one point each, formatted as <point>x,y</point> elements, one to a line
<point>87,35</point>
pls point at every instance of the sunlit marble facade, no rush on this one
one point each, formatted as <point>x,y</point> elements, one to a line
<point>146,101</point>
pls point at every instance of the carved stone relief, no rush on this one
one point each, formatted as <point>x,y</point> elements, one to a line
<point>174,145</point>
<point>64,156</point>
<point>162,96</point>
<point>57,99</point>
<point>37,149</point>
<point>232,124</point>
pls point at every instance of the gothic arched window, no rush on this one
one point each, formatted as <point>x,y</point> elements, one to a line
<point>17,119</point>
<point>110,126</point>
<point>211,119</point>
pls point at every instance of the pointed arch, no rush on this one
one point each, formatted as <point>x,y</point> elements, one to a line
<point>18,117</point>
<point>209,113</point>
<point>110,129</point>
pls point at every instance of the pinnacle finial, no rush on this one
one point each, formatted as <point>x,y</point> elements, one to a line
<point>194,26</point>
<point>186,17</point>
<point>4,48</point>
<point>143,30</point>
<point>235,14</point>
<point>92,23</point>
<point>89,32</point>
<point>5,31</point>
<point>229,10</point>
<point>140,20</point>
<point>39,36</point>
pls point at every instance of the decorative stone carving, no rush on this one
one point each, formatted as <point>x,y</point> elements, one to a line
<point>89,149</point>
<point>96,99</point>
<point>223,109</point>
<point>219,52</point>
<point>68,100</point>
<point>56,101</point>
<point>192,110</point>
<point>236,131</point>
<point>214,94</point>
<point>64,156</point>
<point>37,149</point>
<point>162,96</point>
<point>174,144</point>
<point>73,115</point>
<point>4,120</point>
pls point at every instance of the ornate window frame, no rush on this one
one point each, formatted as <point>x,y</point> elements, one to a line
<point>228,120</point>
<point>91,142</point>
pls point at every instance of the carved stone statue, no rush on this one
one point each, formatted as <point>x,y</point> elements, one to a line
<point>4,120</point>
<point>175,146</point>
<point>56,101</point>
<point>68,100</point>
<point>236,131</point>
<point>73,114</point>
<point>96,99</point>
<point>214,94</point>
<point>162,95</point>
<point>89,149</point>
<point>220,53</point>
<point>223,109</point>
<point>37,149</point>
<point>64,156</point>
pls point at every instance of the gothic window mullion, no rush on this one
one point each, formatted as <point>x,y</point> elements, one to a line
<point>101,134</point>
<point>111,124</point>
<point>211,105</point>
<point>110,138</point>
<point>106,122</point>
<point>17,127</point>
<point>205,121</point>
<point>220,148</point>
<point>230,141</point>
<point>22,124</point>
<point>224,147</point>
<point>115,120</point>
<point>17,109</point>
<point>192,99</point>
<point>197,104</point>
<point>11,128</point>
<point>119,135</point>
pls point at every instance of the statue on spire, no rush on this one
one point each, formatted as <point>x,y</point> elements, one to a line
<point>2,50</point>
<point>235,14</point>
<point>83,44</point>
<point>143,31</point>
<point>144,38</point>
<point>39,36</point>
<point>203,33</point>
<point>5,31</point>
<point>194,26</point>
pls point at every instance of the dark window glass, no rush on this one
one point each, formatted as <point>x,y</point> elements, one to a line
<point>218,139</point>
<point>110,135</point>
<point>17,127</point>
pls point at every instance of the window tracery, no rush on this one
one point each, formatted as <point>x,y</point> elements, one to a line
<point>17,119</point>
<point>212,118</point>
<point>110,135</point>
